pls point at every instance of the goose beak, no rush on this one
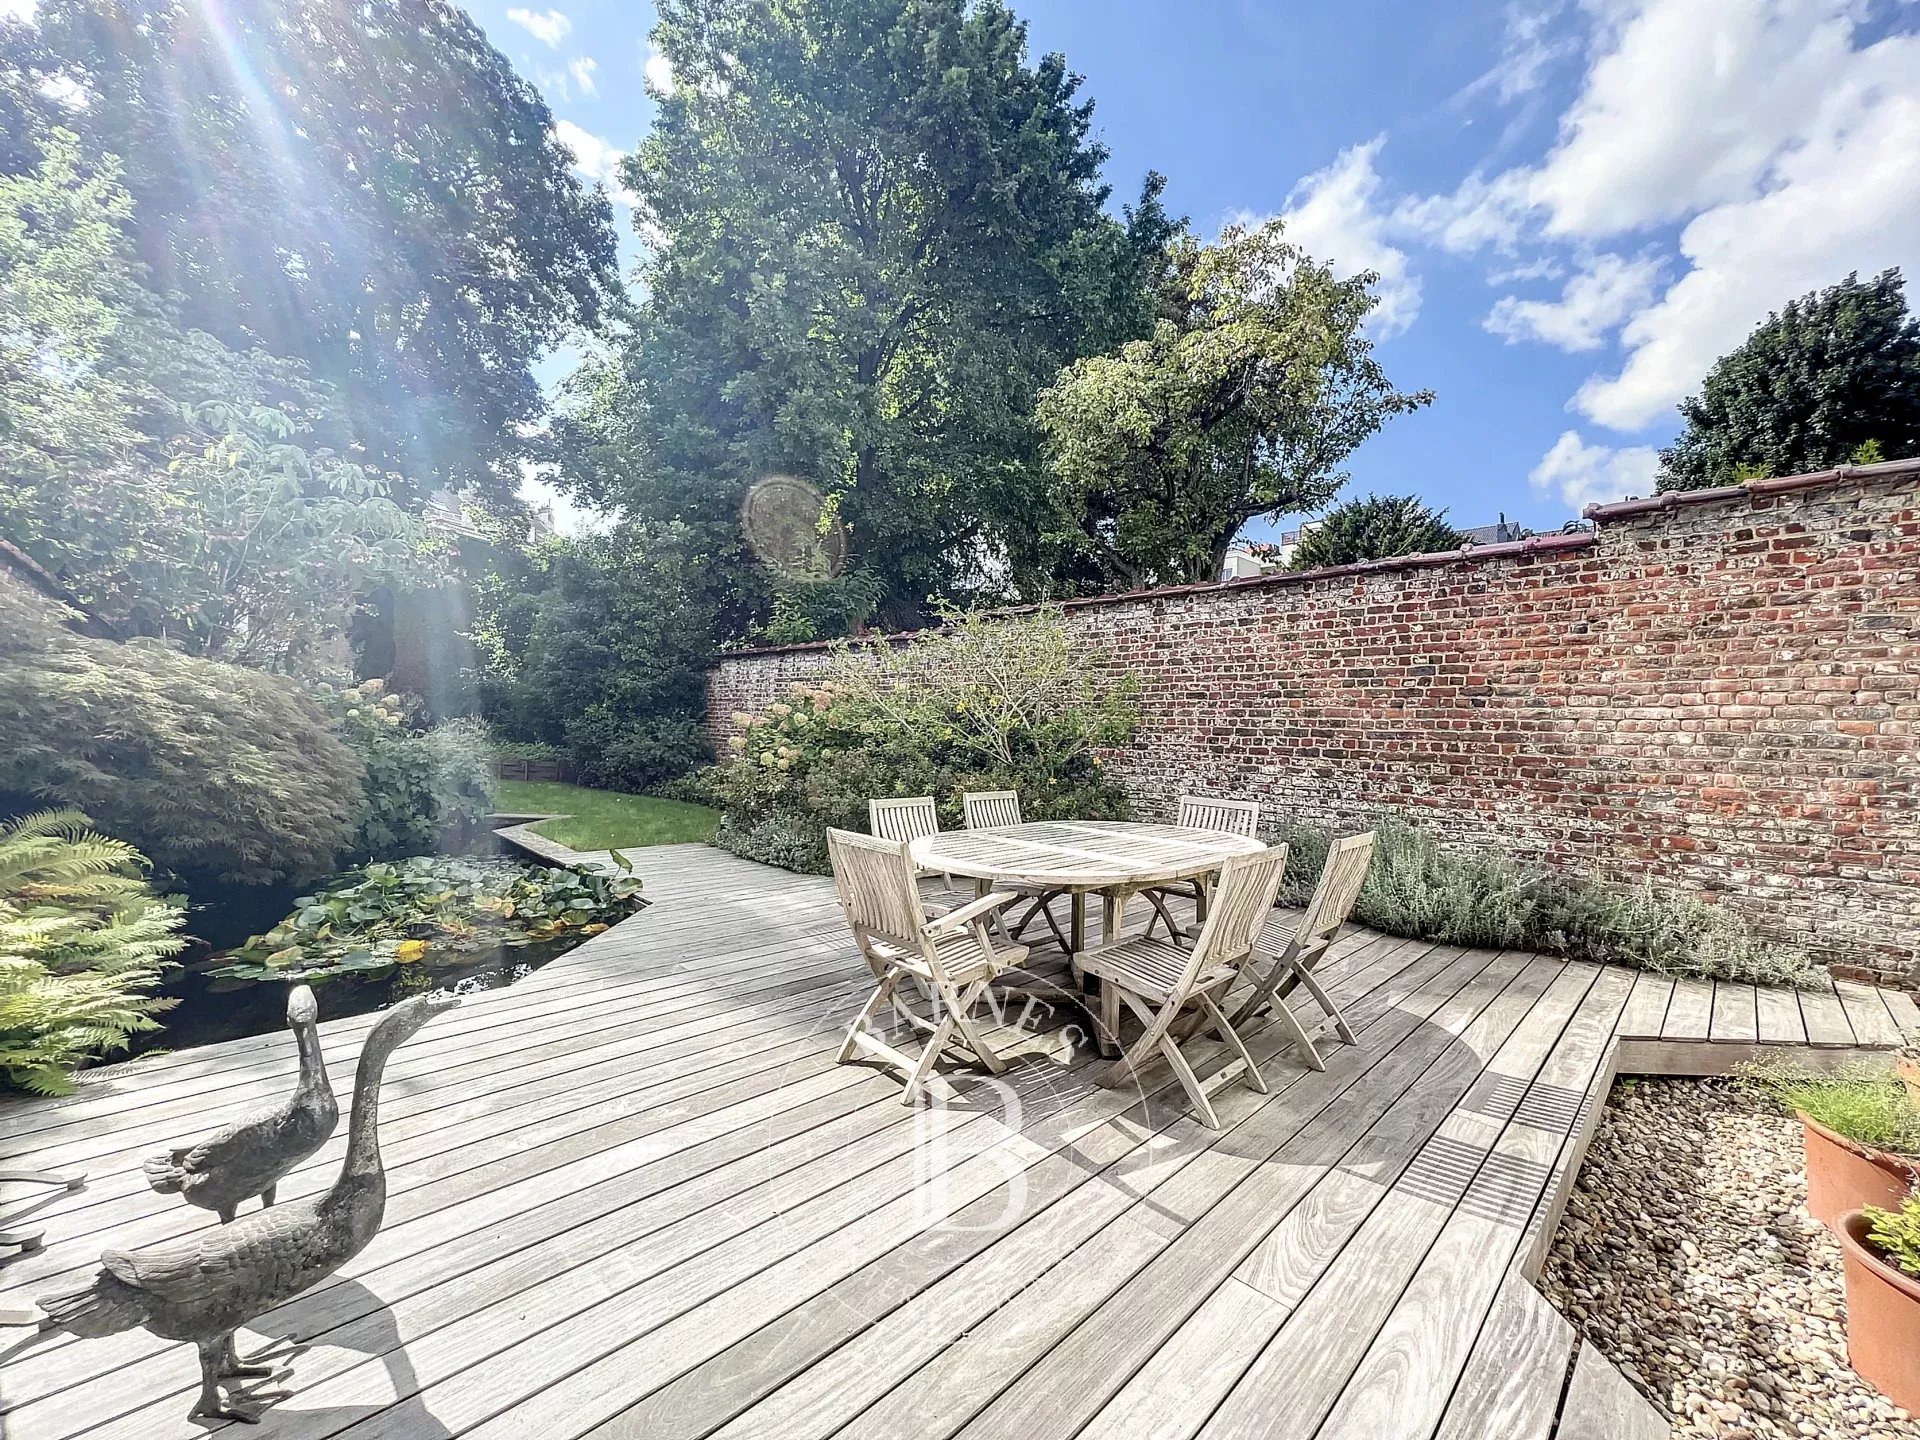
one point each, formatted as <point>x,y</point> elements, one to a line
<point>440,1004</point>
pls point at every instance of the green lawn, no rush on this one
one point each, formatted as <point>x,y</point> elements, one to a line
<point>606,819</point>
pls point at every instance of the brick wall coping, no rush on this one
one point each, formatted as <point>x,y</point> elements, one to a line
<point>1469,555</point>
<point>1723,494</point>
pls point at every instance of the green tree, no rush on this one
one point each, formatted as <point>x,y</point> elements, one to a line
<point>606,655</point>
<point>875,231</point>
<point>1373,529</point>
<point>178,488</point>
<point>368,188</point>
<point>1255,385</point>
<point>82,941</point>
<point>1834,371</point>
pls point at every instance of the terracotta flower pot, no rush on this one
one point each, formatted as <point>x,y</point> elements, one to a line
<point>1883,1318</point>
<point>1843,1176</point>
<point>1909,1072</point>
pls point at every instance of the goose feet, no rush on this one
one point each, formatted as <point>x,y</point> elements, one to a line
<point>219,1361</point>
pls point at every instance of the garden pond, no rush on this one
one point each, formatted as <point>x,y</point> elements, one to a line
<point>380,933</point>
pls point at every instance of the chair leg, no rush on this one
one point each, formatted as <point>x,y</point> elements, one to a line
<point>882,994</point>
<point>1136,1054</point>
<point>1232,1037</point>
<point>1109,1036</point>
<point>1163,915</point>
<point>1291,1024</point>
<point>961,1009</point>
<point>1340,1026</point>
<point>1263,991</point>
<point>936,1043</point>
<point>1189,1082</point>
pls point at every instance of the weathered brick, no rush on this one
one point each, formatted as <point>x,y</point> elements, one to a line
<point>1720,695</point>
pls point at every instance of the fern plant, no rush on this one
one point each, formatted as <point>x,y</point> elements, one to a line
<point>82,942</point>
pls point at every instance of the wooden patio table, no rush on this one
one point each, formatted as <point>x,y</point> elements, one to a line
<point>1111,858</point>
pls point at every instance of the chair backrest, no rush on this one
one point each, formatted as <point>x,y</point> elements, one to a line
<point>1235,817</point>
<point>1341,880</point>
<point>1243,894</point>
<point>903,819</point>
<point>986,809</point>
<point>877,887</point>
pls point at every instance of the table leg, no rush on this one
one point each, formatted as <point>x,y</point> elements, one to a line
<point>1077,927</point>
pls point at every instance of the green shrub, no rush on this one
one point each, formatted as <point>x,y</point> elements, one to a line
<point>210,770</point>
<point>1459,895</point>
<point>982,705</point>
<point>1896,1234</point>
<point>427,791</point>
<point>1868,1107</point>
<point>426,908</point>
<point>81,941</point>
<point>614,750</point>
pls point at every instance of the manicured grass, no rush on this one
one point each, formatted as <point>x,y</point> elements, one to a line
<point>606,819</point>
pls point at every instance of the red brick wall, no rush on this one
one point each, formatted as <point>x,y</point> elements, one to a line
<point>1722,693</point>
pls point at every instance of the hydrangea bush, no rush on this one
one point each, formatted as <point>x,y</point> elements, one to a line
<point>981,705</point>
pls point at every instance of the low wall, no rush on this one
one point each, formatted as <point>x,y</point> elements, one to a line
<point>1717,688</point>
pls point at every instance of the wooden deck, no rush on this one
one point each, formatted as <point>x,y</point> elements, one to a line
<point>633,1196</point>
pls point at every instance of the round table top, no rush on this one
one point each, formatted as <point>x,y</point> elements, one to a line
<point>1080,854</point>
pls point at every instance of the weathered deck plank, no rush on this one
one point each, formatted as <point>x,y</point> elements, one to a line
<point>633,1196</point>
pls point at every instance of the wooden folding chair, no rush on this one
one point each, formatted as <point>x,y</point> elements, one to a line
<point>950,955</point>
<point>1296,946</point>
<point>990,810</point>
<point>1159,981</point>
<point>1197,812</point>
<point>910,819</point>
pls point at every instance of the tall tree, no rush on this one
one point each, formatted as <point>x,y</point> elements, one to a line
<point>1375,528</point>
<point>366,187</point>
<point>1258,381</point>
<point>1834,371</point>
<point>177,488</point>
<point>875,231</point>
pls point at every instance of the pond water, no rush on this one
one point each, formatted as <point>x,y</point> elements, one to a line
<point>211,1010</point>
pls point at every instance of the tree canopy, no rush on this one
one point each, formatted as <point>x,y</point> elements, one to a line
<point>1257,382</point>
<point>368,188</point>
<point>1375,528</point>
<point>875,231</point>
<point>1833,372</point>
<point>177,488</point>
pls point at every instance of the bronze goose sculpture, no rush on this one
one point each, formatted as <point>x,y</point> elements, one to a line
<point>205,1287</point>
<point>248,1157</point>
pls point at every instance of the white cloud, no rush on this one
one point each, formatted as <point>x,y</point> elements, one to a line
<point>1528,50</point>
<point>1481,213</point>
<point>1845,197</point>
<point>1583,474</point>
<point>659,71</point>
<point>1688,107</point>
<point>549,27</point>
<point>594,158</point>
<point>582,72</point>
<point>18,10</point>
<point>1332,215</point>
<point>1784,144</point>
<point>1591,305</point>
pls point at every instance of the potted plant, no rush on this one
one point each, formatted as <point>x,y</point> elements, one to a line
<point>1882,1254</point>
<point>1862,1140</point>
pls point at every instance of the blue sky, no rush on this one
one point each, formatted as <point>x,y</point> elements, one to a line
<point>1574,205</point>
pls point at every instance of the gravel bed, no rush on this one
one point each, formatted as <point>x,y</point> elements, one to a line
<point>1688,1258</point>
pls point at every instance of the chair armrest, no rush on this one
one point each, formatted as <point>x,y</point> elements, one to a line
<point>973,910</point>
